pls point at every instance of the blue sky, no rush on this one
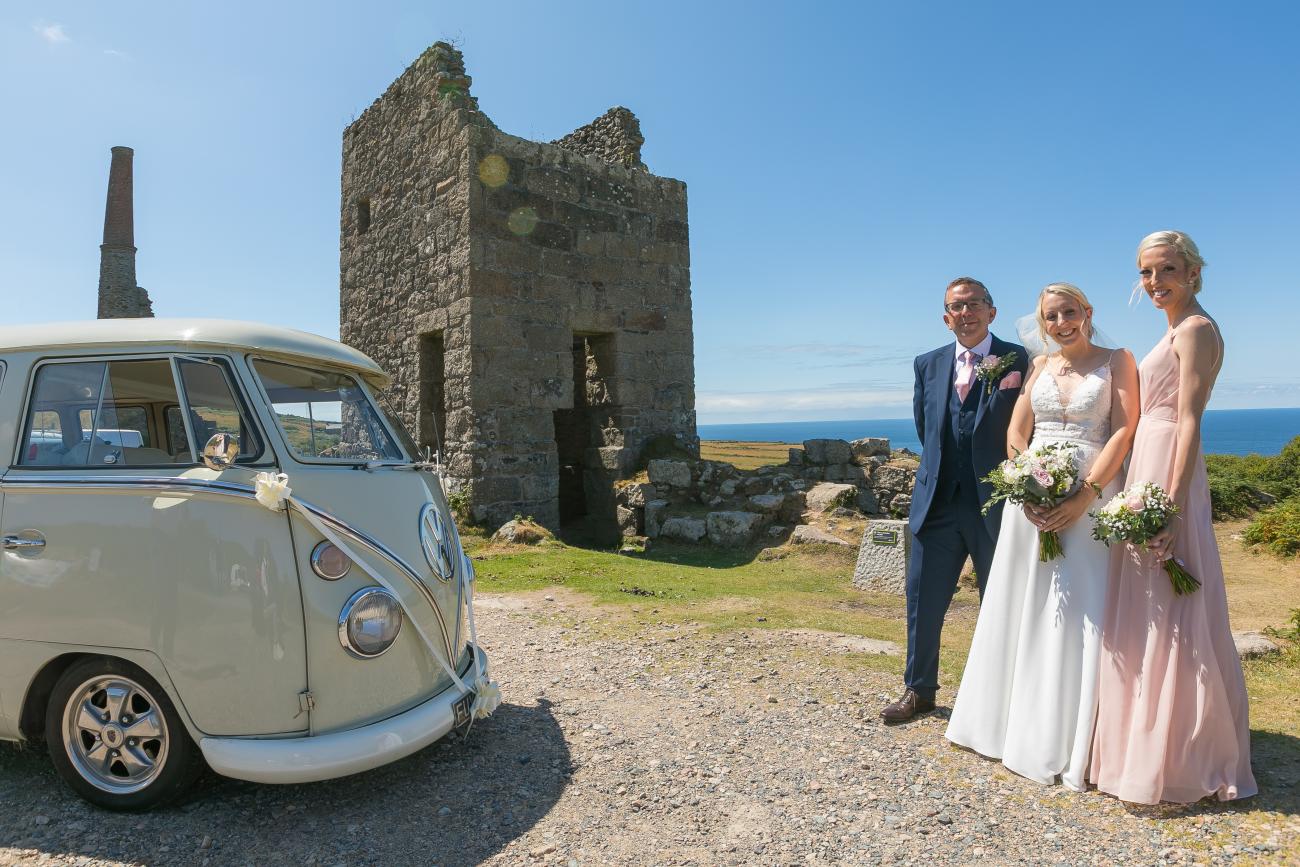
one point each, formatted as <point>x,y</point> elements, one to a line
<point>844,161</point>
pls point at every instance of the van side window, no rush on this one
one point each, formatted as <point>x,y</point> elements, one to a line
<point>97,414</point>
<point>214,409</point>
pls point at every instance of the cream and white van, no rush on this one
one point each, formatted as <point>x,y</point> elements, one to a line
<point>219,547</point>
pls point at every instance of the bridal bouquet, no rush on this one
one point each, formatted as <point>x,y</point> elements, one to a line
<point>1043,476</point>
<point>1135,516</point>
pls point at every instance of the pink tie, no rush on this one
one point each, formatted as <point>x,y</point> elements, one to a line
<point>965,375</point>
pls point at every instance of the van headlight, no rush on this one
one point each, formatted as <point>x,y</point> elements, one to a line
<point>369,622</point>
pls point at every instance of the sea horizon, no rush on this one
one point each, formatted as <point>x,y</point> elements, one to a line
<point>1223,431</point>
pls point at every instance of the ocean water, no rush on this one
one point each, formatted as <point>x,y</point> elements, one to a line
<point>1224,431</point>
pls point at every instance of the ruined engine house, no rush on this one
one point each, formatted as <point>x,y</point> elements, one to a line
<point>531,300</point>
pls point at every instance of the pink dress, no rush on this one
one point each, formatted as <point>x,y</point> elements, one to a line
<point>1172,708</point>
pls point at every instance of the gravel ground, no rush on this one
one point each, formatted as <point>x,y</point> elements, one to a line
<point>658,744</point>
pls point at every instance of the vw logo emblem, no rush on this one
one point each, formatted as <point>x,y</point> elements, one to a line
<point>436,538</point>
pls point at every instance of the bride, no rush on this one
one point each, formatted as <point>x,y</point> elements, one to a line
<point>1028,695</point>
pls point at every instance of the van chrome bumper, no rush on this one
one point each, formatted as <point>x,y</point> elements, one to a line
<point>337,754</point>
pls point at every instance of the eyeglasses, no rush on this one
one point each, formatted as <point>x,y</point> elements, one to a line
<point>974,306</point>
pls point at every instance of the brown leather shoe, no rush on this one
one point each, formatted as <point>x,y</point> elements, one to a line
<point>906,707</point>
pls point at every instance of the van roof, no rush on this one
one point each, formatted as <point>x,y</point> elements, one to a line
<point>252,336</point>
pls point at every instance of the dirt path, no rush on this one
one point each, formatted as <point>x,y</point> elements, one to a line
<point>620,744</point>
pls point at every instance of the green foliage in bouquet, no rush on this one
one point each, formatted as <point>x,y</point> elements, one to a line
<point>1136,516</point>
<point>1043,476</point>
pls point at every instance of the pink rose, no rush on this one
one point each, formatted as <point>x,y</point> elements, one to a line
<point>1135,503</point>
<point>1043,477</point>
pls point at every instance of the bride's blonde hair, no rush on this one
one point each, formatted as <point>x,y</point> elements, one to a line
<point>1068,290</point>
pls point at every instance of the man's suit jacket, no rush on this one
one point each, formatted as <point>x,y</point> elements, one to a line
<point>934,378</point>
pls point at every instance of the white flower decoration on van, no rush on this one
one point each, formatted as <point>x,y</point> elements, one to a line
<point>486,698</point>
<point>271,490</point>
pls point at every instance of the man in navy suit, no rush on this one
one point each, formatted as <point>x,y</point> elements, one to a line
<point>962,422</point>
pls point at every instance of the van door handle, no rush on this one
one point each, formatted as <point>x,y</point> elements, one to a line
<point>23,543</point>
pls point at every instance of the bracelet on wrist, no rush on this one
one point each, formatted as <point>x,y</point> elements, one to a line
<point>1096,488</point>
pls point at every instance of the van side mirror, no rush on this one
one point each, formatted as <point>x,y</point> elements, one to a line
<point>220,451</point>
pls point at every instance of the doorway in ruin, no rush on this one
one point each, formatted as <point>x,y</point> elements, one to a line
<point>586,487</point>
<point>432,377</point>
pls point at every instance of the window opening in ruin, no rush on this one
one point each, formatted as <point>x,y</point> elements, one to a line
<point>432,375</point>
<point>586,491</point>
<point>363,216</point>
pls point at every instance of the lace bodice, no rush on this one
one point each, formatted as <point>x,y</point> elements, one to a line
<point>1084,420</point>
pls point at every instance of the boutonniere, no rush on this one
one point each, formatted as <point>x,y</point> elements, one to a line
<point>991,368</point>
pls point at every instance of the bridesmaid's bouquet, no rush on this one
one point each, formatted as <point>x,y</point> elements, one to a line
<point>1135,516</point>
<point>1043,476</point>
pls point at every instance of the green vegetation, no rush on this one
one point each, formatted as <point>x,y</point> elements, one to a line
<point>458,502</point>
<point>1277,528</point>
<point>1244,485</point>
<point>1290,632</point>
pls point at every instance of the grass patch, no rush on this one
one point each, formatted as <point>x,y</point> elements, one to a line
<point>746,456</point>
<point>723,590</point>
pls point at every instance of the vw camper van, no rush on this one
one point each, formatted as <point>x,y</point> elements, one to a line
<point>218,547</point>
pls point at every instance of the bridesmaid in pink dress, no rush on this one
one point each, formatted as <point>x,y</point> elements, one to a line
<point>1172,708</point>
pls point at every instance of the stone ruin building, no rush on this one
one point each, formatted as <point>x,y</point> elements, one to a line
<point>531,300</point>
<point>119,297</point>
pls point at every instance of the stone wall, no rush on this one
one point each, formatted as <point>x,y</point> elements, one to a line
<point>712,501</point>
<point>552,287</point>
<point>614,137</point>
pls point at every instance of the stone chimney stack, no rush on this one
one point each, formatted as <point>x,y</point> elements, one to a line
<point>119,297</point>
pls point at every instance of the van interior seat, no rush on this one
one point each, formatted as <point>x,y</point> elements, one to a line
<point>46,455</point>
<point>82,455</point>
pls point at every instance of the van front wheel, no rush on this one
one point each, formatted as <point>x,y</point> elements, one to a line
<point>115,737</point>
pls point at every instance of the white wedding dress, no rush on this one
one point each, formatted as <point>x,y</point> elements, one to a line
<point>1029,692</point>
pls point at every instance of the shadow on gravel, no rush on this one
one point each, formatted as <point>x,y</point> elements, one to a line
<point>457,802</point>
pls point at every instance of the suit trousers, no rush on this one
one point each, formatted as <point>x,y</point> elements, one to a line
<point>953,530</point>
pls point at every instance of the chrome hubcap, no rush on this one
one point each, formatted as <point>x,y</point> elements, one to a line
<point>115,734</point>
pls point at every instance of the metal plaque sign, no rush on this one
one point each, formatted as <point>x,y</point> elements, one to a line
<point>884,537</point>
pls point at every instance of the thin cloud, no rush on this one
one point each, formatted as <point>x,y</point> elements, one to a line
<point>874,361</point>
<point>1245,394</point>
<point>832,349</point>
<point>827,356</point>
<point>836,397</point>
<point>51,33</point>
<point>113,52</point>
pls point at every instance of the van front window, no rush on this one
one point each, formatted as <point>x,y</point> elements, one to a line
<point>326,415</point>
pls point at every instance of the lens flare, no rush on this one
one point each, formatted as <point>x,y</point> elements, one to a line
<point>522,221</point>
<point>493,170</point>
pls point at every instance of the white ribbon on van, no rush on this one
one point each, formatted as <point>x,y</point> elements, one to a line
<point>272,491</point>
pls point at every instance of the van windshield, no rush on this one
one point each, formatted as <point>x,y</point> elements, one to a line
<point>325,415</point>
